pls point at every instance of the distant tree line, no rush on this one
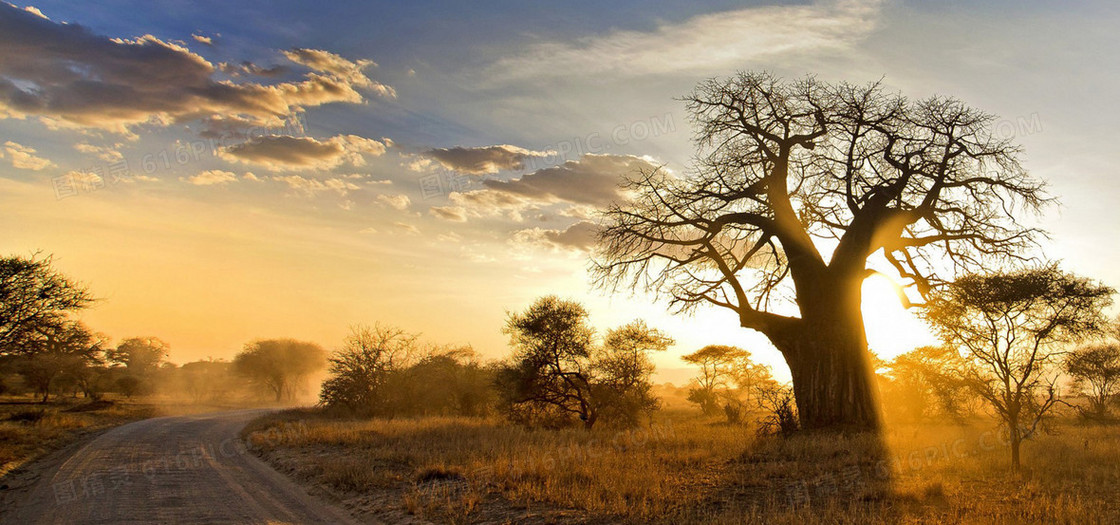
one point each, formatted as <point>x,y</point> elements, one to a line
<point>46,352</point>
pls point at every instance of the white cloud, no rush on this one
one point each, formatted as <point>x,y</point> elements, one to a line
<point>25,158</point>
<point>478,160</point>
<point>104,153</point>
<point>212,178</point>
<point>700,45</point>
<point>351,71</point>
<point>312,187</point>
<point>406,228</point>
<point>397,202</point>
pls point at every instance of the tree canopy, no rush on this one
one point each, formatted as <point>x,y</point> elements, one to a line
<point>34,297</point>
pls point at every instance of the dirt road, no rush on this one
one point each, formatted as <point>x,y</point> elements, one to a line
<point>182,469</point>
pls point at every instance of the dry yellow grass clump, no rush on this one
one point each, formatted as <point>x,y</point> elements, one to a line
<point>682,468</point>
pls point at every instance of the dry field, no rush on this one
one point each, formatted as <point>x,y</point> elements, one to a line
<point>685,469</point>
<point>29,430</point>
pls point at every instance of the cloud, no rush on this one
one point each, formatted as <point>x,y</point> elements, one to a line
<point>203,39</point>
<point>700,45</point>
<point>23,157</point>
<point>351,71</point>
<point>69,76</point>
<point>104,153</point>
<point>312,187</point>
<point>212,178</point>
<point>481,160</point>
<point>580,236</point>
<point>85,180</point>
<point>406,228</point>
<point>592,180</point>
<point>249,68</point>
<point>283,152</point>
<point>449,213</point>
<point>397,202</point>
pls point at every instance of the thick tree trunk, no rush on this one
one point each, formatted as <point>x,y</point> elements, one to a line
<point>833,383</point>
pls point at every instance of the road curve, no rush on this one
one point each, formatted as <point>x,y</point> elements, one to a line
<point>181,469</point>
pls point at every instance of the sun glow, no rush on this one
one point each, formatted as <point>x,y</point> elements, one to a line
<point>892,329</point>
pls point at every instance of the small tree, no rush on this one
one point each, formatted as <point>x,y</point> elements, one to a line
<point>927,382</point>
<point>717,363</point>
<point>34,297</point>
<point>206,379</point>
<point>549,378</point>
<point>1098,366</point>
<point>141,356</point>
<point>445,381</point>
<point>279,365</point>
<point>622,370</point>
<point>360,371</point>
<point>748,382</point>
<point>1012,327</point>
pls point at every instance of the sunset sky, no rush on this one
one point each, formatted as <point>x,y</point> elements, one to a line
<point>219,172</point>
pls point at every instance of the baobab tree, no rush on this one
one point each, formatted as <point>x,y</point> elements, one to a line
<point>802,188</point>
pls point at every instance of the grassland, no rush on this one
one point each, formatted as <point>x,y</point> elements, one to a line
<point>29,430</point>
<point>683,468</point>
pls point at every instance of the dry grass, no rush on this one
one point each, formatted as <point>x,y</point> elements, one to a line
<point>29,430</point>
<point>685,469</point>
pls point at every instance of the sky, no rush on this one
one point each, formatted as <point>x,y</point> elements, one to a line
<point>219,172</point>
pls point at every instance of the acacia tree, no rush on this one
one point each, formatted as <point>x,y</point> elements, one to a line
<point>549,377</point>
<point>787,169</point>
<point>1097,365</point>
<point>622,370</point>
<point>557,374</point>
<point>279,365</point>
<point>33,298</point>
<point>140,355</point>
<point>59,350</point>
<point>1011,328</point>
<point>716,364</point>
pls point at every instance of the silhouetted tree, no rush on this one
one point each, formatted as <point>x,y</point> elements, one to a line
<point>549,378</point>
<point>141,356</point>
<point>446,381</point>
<point>279,365</point>
<point>717,363</point>
<point>360,371</point>
<point>557,374</point>
<point>787,169</point>
<point>64,349</point>
<point>34,298</point>
<point>209,379</point>
<point>1011,328</point>
<point>621,370</point>
<point>1098,366</point>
